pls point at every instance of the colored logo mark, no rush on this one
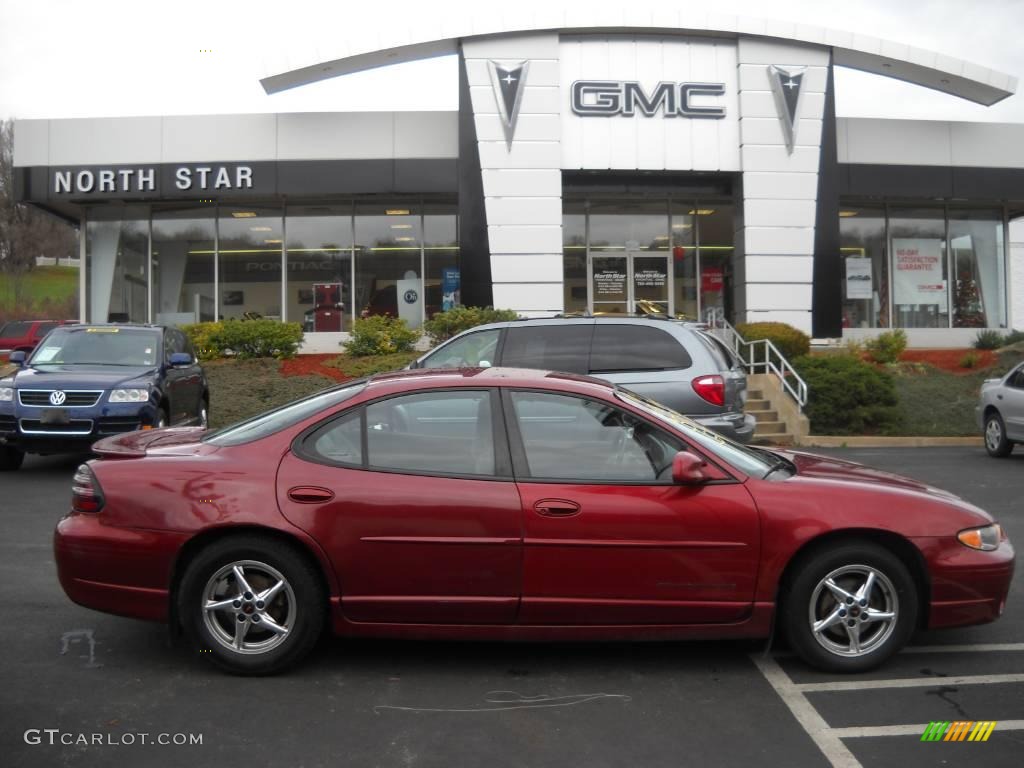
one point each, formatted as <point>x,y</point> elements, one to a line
<point>959,730</point>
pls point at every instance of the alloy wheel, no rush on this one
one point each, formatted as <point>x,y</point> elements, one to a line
<point>853,610</point>
<point>993,434</point>
<point>248,607</point>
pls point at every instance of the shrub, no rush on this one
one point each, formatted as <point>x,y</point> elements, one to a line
<point>971,359</point>
<point>790,341</point>
<point>988,340</point>
<point>245,338</point>
<point>204,340</point>
<point>847,396</point>
<point>380,335</point>
<point>887,347</point>
<point>1013,337</point>
<point>444,325</point>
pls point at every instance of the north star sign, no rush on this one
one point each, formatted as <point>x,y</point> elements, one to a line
<point>605,98</point>
<point>199,178</point>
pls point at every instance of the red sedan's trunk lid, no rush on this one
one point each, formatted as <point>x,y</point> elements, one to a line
<point>183,441</point>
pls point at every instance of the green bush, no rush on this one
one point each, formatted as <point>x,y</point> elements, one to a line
<point>847,396</point>
<point>380,335</point>
<point>1013,337</point>
<point>988,340</point>
<point>971,359</point>
<point>444,325</point>
<point>887,347</point>
<point>245,338</point>
<point>790,341</point>
<point>205,340</point>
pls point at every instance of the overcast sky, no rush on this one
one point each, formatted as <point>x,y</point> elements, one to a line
<point>90,58</point>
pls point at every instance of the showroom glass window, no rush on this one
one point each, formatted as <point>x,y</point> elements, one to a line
<point>389,261</point>
<point>865,270</point>
<point>684,258</point>
<point>319,260</point>
<point>443,284</point>
<point>250,248</point>
<point>183,265</point>
<point>117,264</point>
<point>920,279</point>
<point>574,256</point>
<point>715,240</point>
<point>629,251</point>
<point>978,268</point>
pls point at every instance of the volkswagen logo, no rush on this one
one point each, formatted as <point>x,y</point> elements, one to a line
<point>57,397</point>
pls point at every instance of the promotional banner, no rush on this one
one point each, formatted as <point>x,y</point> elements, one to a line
<point>917,275</point>
<point>450,294</point>
<point>858,277</point>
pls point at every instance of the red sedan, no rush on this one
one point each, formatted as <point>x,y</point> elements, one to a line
<point>510,504</point>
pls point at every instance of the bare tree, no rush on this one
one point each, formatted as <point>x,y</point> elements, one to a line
<point>25,232</point>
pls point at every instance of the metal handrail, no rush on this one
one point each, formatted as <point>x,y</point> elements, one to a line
<point>772,361</point>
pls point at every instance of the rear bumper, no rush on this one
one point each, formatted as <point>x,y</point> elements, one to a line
<point>739,426</point>
<point>967,586</point>
<point>116,570</point>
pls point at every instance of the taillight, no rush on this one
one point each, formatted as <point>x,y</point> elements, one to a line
<point>711,388</point>
<point>86,494</point>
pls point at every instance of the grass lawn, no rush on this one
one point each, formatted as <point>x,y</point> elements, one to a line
<point>937,403</point>
<point>53,283</point>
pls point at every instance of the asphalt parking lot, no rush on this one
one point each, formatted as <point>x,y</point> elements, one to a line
<point>448,704</point>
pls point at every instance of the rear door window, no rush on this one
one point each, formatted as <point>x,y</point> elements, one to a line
<point>15,330</point>
<point>548,347</point>
<point>44,328</point>
<point>636,348</point>
<point>470,351</point>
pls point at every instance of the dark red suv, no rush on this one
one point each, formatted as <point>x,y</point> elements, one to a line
<point>24,335</point>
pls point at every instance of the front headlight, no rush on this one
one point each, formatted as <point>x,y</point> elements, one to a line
<point>129,396</point>
<point>6,394</point>
<point>985,539</point>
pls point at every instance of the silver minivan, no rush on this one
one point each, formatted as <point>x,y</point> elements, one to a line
<point>675,363</point>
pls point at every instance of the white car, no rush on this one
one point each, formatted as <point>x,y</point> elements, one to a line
<point>1000,412</point>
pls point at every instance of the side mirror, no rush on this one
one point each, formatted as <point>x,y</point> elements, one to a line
<point>180,359</point>
<point>18,358</point>
<point>688,469</point>
<point>485,364</point>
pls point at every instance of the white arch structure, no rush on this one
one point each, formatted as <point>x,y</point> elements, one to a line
<point>863,52</point>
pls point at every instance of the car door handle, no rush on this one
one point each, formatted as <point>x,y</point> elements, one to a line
<point>309,494</point>
<point>556,507</point>
<point>999,397</point>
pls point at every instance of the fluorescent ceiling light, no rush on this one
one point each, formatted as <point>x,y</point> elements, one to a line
<point>702,211</point>
<point>262,229</point>
<point>847,214</point>
<point>682,226</point>
<point>397,211</point>
<point>403,239</point>
<point>272,242</point>
<point>401,226</point>
<point>244,214</point>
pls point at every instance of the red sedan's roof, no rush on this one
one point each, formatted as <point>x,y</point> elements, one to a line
<point>432,378</point>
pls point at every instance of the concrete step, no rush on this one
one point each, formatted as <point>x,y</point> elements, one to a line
<point>758,405</point>
<point>764,415</point>
<point>770,428</point>
<point>755,394</point>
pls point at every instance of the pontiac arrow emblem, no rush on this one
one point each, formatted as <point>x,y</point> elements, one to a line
<point>507,81</point>
<point>787,85</point>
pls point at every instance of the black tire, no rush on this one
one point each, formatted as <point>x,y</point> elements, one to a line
<point>162,418</point>
<point>204,412</point>
<point>304,595</point>
<point>893,591</point>
<point>10,459</point>
<point>995,436</point>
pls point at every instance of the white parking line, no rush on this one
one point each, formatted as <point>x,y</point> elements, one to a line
<point>979,647</point>
<point>821,734</point>
<point>908,682</point>
<point>860,732</point>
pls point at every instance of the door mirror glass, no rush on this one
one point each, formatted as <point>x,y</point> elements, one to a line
<point>688,469</point>
<point>18,358</point>
<point>180,359</point>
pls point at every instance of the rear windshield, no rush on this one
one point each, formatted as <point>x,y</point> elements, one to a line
<point>274,421</point>
<point>636,348</point>
<point>101,345</point>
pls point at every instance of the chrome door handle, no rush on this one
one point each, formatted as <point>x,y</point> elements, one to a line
<point>556,508</point>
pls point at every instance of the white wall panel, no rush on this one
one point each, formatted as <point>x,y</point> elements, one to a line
<point>212,138</point>
<point>780,185</point>
<point>330,135</point>
<point>536,100</point>
<point>31,142</point>
<point>516,238</point>
<point>507,182</point>
<point>762,104</point>
<point>779,213</point>
<point>764,157</point>
<point>528,127</point>
<point>524,154</point>
<point>516,267</point>
<point>530,297</point>
<point>105,140</point>
<point>524,210</point>
<point>800,319</point>
<point>784,296</point>
<point>757,51</point>
<point>898,142</point>
<point>785,241</point>
<point>768,130</point>
<point>779,269</point>
<point>426,134</point>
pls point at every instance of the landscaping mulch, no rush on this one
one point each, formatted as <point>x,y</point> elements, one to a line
<point>951,360</point>
<point>313,365</point>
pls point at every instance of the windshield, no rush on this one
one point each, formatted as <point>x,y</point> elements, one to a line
<point>99,346</point>
<point>751,461</point>
<point>287,415</point>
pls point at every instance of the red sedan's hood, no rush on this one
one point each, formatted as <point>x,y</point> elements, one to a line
<point>813,466</point>
<point>182,441</point>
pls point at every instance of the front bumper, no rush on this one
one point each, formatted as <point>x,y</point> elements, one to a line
<point>116,570</point>
<point>21,428</point>
<point>967,586</point>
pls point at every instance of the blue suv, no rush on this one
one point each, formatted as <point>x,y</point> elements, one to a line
<point>85,382</point>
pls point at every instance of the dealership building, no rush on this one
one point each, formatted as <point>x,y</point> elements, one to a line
<point>693,166</point>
